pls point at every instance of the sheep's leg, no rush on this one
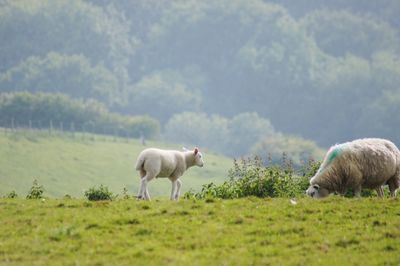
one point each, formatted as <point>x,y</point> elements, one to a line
<point>379,191</point>
<point>178,189</point>
<point>357,192</point>
<point>174,185</point>
<point>394,184</point>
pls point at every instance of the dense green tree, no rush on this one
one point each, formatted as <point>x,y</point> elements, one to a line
<point>380,115</point>
<point>36,27</point>
<point>37,110</point>
<point>233,137</point>
<point>245,129</point>
<point>297,149</point>
<point>351,87</point>
<point>72,75</point>
<point>386,10</point>
<point>161,95</point>
<point>251,53</point>
<point>341,32</point>
<point>198,129</point>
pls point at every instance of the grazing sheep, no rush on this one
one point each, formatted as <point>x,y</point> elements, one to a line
<point>362,163</point>
<point>153,163</point>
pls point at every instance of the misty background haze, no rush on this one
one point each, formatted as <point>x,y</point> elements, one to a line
<point>234,76</point>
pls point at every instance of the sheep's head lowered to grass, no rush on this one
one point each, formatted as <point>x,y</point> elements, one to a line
<point>319,187</point>
<point>315,191</point>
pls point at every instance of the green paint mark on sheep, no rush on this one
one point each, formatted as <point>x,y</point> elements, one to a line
<point>334,153</point>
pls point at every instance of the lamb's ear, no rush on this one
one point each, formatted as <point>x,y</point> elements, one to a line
<point>196,150</point>
<point>184,149</point>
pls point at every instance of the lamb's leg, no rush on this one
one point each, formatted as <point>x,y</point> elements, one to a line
<point>147,195</point>
<point>142,188</point>
<point>178,189</point>
<point>174,182</point>
<point>143,192</point>
<point>140,192</point>
<point>379,191</point>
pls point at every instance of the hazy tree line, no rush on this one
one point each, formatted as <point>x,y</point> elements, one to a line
<point>238,76</point>
<point>44,110</point>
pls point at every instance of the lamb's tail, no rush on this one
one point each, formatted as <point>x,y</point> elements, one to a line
<point>140,163</point>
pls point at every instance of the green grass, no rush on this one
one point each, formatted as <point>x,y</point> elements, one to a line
<point>333,231</point>
<point>71,165</point>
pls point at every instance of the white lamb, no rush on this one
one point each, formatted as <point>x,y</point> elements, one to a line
<point>154,162</point>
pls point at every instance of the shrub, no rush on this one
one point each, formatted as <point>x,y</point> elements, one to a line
<point>36,191</point>
<point>250,177</point>
<point>101,193</point>
<point>12,195</point>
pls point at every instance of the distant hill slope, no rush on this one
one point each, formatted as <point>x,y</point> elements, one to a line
<point>70,165</point>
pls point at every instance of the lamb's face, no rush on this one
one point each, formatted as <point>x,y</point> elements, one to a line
<point>315,191</point>
<point>199,159</point>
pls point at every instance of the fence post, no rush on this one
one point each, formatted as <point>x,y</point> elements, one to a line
<point>72,128</point>
<point>91,133</point>
<point>142,139</point>
<point>30,125</point>
<point>83,131</point>
<point>51,127</point>
<point>61,127</point>
<point>12,124</point>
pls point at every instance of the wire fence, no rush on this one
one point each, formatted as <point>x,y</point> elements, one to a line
<point>88,130</point>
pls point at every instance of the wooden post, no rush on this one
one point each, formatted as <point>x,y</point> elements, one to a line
<point>51,127</point>
<point>83,131</point>
<point>142,139</point>
<point>72,129</point>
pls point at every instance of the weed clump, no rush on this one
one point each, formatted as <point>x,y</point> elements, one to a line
<point>100,193</point>
<point>36,191</point>
<point>12,195</point>
<point>125,194</point>
<point>251,177</point>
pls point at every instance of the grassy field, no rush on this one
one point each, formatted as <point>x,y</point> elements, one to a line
<point>70,165</point>
<point>249,231</point>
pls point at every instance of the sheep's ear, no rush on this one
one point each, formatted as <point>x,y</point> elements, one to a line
<point>196,150</point>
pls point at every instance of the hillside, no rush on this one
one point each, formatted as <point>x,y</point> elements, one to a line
<point>235,76</point>
<point>70,165</point>
<point>249,231</point>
